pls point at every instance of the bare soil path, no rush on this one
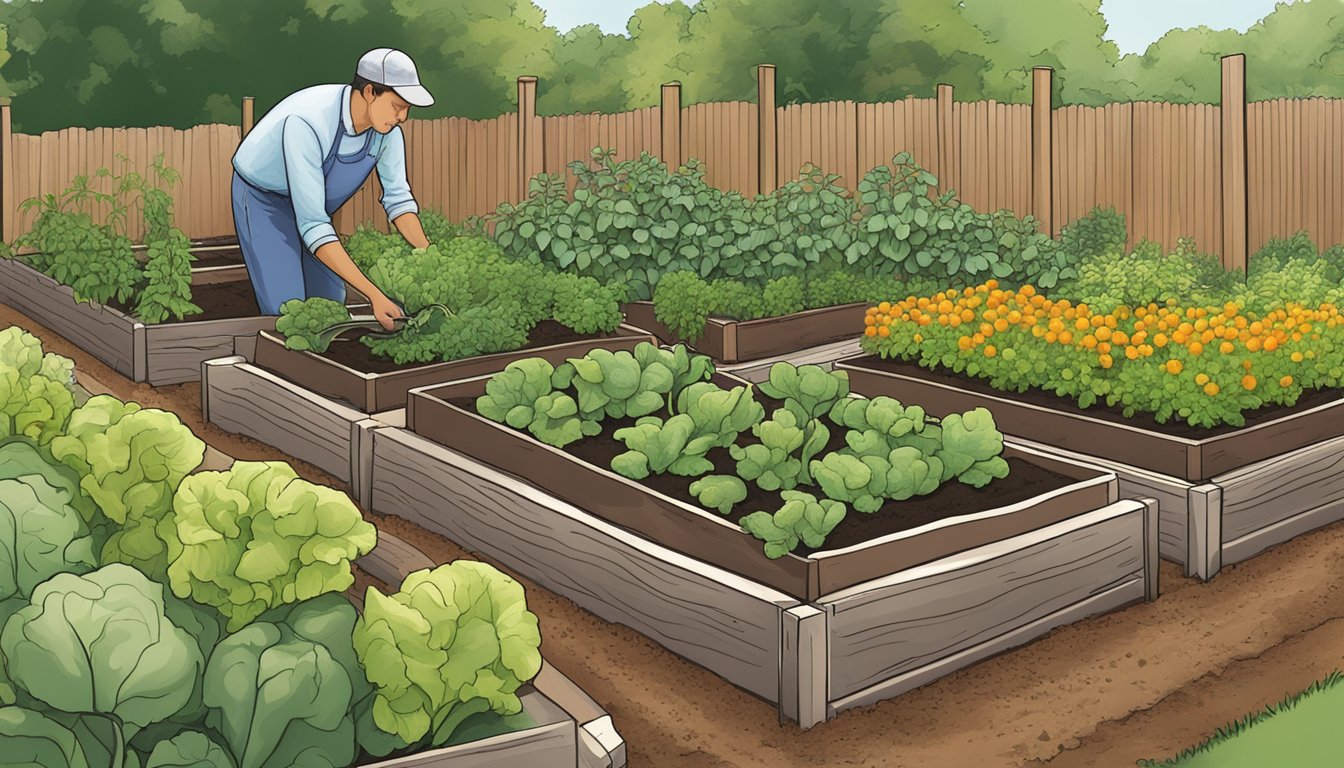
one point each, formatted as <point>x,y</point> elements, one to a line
<point>1144,682</point>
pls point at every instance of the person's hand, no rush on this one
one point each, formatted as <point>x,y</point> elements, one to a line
<point>385,310</point>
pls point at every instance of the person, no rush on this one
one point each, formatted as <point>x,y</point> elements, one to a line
<point>303,160</point>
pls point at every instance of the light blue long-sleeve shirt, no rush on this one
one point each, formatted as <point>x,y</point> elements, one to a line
<point>283,153</point>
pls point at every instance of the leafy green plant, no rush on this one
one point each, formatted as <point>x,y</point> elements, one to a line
<point>720,492</point>
<point>584,305</point>
<point>167,292</point>
<point>865,481</point>
<point>31,738</point>
<point>281,690</point>
<point>685,367</point>
<point>808,392</point>
<point>777,461</point>
<point>524,397</point>
<point>616,385</point>
<point>1099,232</point>
<point>301,322</point>
<point>191,749</point>
<point>453,642</point>
<point>42,522</point>
<point>37,393</point>
<point>255,537</point>
<point>721,413</point>
<point>656,446</point>
<point>106,646</point>
<point>802,519</point>
<point>131,461</point>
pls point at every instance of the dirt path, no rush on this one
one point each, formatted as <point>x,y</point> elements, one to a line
<point>1144,682</point>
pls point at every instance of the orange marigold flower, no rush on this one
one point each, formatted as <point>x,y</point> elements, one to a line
<point>1286,381</point>
<point>1174,367</point>
<point>1211,389</point>
<point>1248,382</point>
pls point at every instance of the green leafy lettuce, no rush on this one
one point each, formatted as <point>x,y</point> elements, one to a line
<point>803,518</point>
<point>719,492</point>
<point>37,392</point>
<point>455,641</point>
<point>43,529</point>
<point>523,396</point>
<point>131,461</point>
<point>255,537</point>
<point>30,739</point>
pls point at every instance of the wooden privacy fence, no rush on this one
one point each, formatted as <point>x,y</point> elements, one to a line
<point>1230,175</point>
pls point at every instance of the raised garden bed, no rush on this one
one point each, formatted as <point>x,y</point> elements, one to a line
<point>1225,493</point>
<point>816,632</point>
<point>746,348</point>
<point>160,354</point>
<point>319,410</point>
<point>350,373</point>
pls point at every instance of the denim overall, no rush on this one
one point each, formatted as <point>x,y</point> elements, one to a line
<point>280,265</point>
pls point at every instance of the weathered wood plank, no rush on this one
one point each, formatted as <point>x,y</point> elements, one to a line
<point>250,401</point>
<point>1204,539</point>
<point>825,355</point>
<point>1171,494</point>
<point>1117,596</point>
<point>893,626</point>
<point>101,331</point>
<point>714,618</point>
<point>393,559</point>
<point>553,742</point>
<point>175,351</point>
<point>803,682</point>
<point>1280,488</point>
<point>1276,533</point>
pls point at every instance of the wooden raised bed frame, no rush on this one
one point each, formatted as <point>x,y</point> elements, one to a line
<point>323,418</point>
<point>377,392</point>
<point>812,656</point>
<point>747,347</point>
<point>1223,498</point>
<point>161,354</point>
<point>710,537</point>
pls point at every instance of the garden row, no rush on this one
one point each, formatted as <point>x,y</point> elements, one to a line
<point>923,466</point>
<point>162,607</point>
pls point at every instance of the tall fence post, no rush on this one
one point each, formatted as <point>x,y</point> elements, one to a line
<point>9,207</point>
<point>247,116</point>
<point>1042,148</point>
<point>1233,112</point>
<point>669,112</point>
<point>946,138</point>
<point>529,158</point>
<point>767,158</point>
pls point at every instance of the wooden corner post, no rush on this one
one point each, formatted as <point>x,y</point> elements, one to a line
<point>1042,148</point>
<point>9,207</point>
<point>947,139</point>
<point>1233,112</point>
<point>669,112</point>
<point>529,145</point>
<point>766,120</point>
<point>248,115</point>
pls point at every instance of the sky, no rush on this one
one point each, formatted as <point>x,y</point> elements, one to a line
<point>1133,24</point>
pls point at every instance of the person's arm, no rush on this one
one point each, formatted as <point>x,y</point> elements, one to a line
<point>408,224</point>
<point>308,193</point>
<point>397,200</point>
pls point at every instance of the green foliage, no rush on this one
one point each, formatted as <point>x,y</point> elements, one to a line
<point>720,492</point>
<point>31,738</point>
<point>835,287</point>
<point>455,641</point>
<point>37,393</point>
<point>865,481</point>
<point>1145,276</point>
<point>708,417</point>
<point>802,519</point>
<point>1098,233</point>
<point>971,448</point>
<point>104,644</point>
<point>255,537</point>
<point>42,522</point>
<point>301,322</point>
<point>616,385</point>
<point>168,271</point>
<point>131,461</point>
<point>438,229</point>
<point>584,305</point>
<point>524,396</point>
<point>191,749</point>
<point>773,463</point>
<point>278,692</point>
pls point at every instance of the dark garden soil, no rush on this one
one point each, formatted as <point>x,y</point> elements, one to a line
<point>348,350</point>
<point>1114,414</point>
<point>1024,481</point>
<point>1144,682</point>
<point>218,301</point>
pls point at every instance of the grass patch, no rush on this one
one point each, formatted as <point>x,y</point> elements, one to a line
<point>1301,731</point>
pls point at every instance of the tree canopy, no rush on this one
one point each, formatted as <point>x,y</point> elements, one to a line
<point>179,63</point>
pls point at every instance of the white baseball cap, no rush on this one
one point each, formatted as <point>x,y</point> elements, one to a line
<point>390,67</point>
